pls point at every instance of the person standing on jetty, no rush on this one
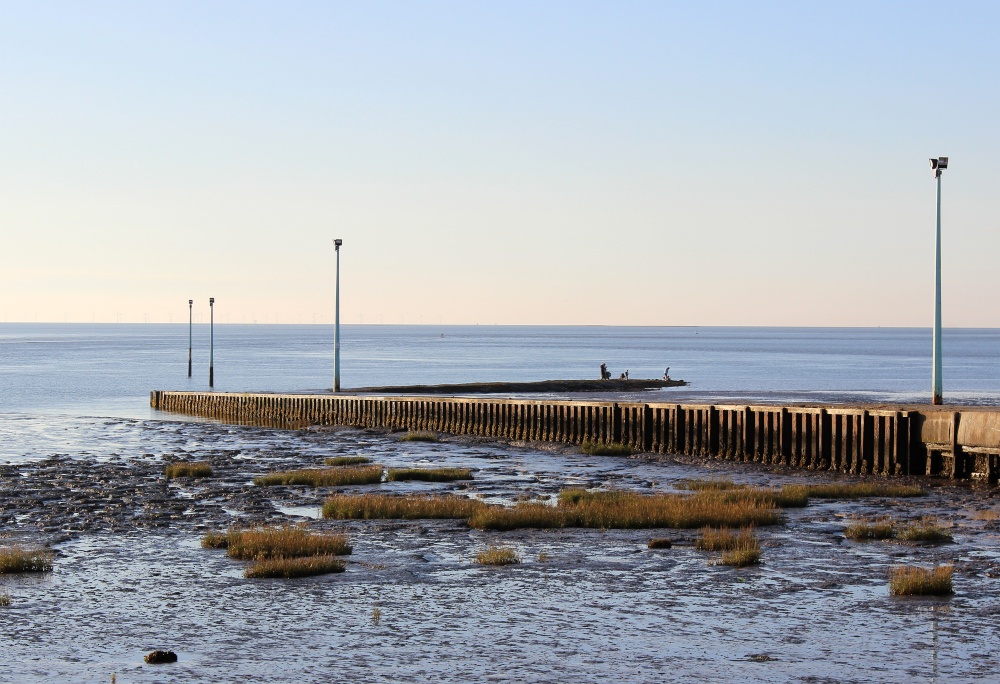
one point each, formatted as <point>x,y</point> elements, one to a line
<point>605,373</point>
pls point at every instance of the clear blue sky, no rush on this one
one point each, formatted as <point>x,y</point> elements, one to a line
<point>644,163</point>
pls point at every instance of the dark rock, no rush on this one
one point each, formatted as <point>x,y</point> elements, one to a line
<point>158,657</point>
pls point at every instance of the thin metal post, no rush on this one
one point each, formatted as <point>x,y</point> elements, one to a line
<point>936,379</point>
<point>190,324</point>
<point>211,346</point>
<point>336,324</point>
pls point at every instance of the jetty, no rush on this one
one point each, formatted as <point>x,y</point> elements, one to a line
<point>959,443</point>
<point>536,387</point>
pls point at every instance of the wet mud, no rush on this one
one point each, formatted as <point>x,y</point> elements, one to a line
<point>586,605</point>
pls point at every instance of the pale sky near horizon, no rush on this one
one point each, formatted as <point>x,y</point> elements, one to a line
<point>624,163</point>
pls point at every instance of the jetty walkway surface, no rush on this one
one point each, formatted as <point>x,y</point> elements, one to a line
<point>536,387</point>
<point>956,442</point>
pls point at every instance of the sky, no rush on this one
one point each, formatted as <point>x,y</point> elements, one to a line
<point>615,163</point>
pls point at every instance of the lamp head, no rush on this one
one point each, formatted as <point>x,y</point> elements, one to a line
<point>938,165</point>
<point>190,302</point>
<point>211,301</point>
<point>337,243</point>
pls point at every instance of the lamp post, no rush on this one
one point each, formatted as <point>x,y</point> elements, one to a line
<point>336,323</point>
<point>211,345</point>
<point>938,166</point>
<point>190,324</point>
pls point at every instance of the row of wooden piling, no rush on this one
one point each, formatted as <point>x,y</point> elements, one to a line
<point>846,439</point>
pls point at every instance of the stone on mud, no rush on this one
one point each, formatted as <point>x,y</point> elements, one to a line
<point>158,657</point>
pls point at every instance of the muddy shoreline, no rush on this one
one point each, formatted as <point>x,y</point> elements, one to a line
<point>587,604</point>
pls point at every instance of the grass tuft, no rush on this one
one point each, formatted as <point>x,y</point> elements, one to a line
<point>908,580</point>
<point>746,552</point>
<point>294,567</point>
<point>259,543</point>
<point>660,543</point>
<point>419,436</point>
<point>926,530</point>
<point>605,448</point>
<point>215,540</point>
<point>5,600</point>
<point>864,529</point>
<point>347,460</point>
<point>860,490</point>
<point>739,547</point>
<point>429,474</point>
<point>21,559</point>
<point>384,506</point>
<point>188,469</point>
<point>498,555</point>
<point>723,538</point>
<point>323,477</point>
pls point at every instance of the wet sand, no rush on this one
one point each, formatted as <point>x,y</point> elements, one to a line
<point>131,577</point>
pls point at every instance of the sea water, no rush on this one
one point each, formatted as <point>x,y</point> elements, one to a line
<point>109,369</point>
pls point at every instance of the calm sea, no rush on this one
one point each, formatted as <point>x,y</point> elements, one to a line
<point>109,369</point>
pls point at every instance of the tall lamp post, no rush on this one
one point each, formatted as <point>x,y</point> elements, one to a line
<point>938,166</point>
<point>336,323</point>
<point>190,324</point>
<point>211,345</point>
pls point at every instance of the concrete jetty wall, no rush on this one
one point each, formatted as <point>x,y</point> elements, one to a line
<point>954,443</point>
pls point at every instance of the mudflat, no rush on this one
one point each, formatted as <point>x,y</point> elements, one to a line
<point>130,575</point>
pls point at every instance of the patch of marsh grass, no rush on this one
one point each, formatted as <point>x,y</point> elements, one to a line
<point>388,507</point>
<point>908,580</point>
<point>419,436</point>
<point>862,529</point>
<point>660,543</point>
<point>723,538</point>
<point>498,555</point>
<point>294,567</point>
<point>21,559</point>
<point>789,496</point>
<point>576,508</point>
<point>573,496</point>
<point>717,484</point>
<point>925,530</point>
<point>536,516</point>
<point>630,510</point>
<point>429,474</point>
<point>259,543</point>
<point>605,448</point>
<point>859,490</point>
<point>745,552</point>
<point>323,477</point>
<point>5,600</point>
<point>215,540</point>
<point>988,514</point>
<point>346,460</point>
<point>188,469</point>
